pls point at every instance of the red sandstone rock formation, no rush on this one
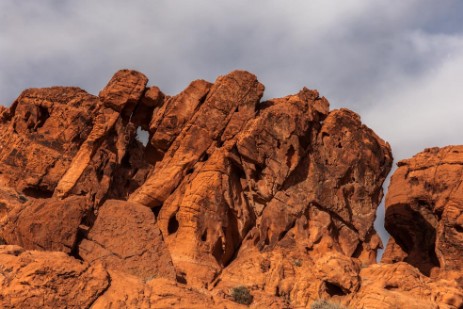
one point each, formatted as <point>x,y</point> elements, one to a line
<point>277,198</point>
<point>424,209</point>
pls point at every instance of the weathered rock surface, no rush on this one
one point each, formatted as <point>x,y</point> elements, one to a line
<point>402,286</point>
<point>124,90</point>
<point>33,279</point>
<point>274,200</point>
<point>228,106</point>
<point>127,291</point>
<point>41,134</point>
<point>49,224</point>
<point>125,236</point>
<point>424,213</point>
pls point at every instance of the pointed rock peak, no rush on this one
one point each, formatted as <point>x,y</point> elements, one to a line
<point>242,78</point>
<point>125,88</point>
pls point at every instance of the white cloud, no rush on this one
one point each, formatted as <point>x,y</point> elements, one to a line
<point>338,47</point>
<point>423,111</point>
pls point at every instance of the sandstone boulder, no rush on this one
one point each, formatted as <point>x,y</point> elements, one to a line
<point>124,90</point>
<point>400,285</point>
<point>125,237</point>
<point>46,224</point>
<point>33,279</point>
<point>424,209</point>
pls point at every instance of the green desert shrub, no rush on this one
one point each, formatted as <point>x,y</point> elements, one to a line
<point>325,304</point>
<point>297,263</point>
<point>241,295</point>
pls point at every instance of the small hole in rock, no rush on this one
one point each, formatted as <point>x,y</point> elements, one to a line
<point>358,251</point>
<point>218,252</point>
<point>439,213</point>
<point>40,192</point>
<point>126,160</point>
<point>173,225</point>
<point>43,115</point>
<point>267,241</point>
<point>334,290</point>
<point>289,156</point>
<point>391,286</point>
<point>423,203</point>
<point>282,235</point>
<point>156,210</point>
<point>204,157</point>
<point>204,236</point>
<point>180,278</point>
<point>99,174</point>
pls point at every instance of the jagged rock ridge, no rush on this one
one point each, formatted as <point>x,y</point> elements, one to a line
<point>277,196</point>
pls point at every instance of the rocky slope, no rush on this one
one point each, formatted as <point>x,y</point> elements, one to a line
<point>233,202</point>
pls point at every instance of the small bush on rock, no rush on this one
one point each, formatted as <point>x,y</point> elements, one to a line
<point>297,263</point>
<point>241,295</point>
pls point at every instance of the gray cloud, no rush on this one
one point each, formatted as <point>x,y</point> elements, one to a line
<point>397,63</point>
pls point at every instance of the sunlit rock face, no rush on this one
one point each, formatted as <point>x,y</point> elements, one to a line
<point>424,212</point>
<point>228,194</point>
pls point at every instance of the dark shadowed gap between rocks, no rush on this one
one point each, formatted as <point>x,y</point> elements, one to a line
<point>415,236</point>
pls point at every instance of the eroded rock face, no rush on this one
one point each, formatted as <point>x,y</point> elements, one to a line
<point>50,224</point>
<point>229,104</point>
<point>276,198</point>
<point>41,133</point>
<point>33,279</point>
<point>125,236</point>
<point>402,286</point>
<point>424,209</point>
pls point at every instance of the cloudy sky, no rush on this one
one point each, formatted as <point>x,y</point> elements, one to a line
<point>398,63</point>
